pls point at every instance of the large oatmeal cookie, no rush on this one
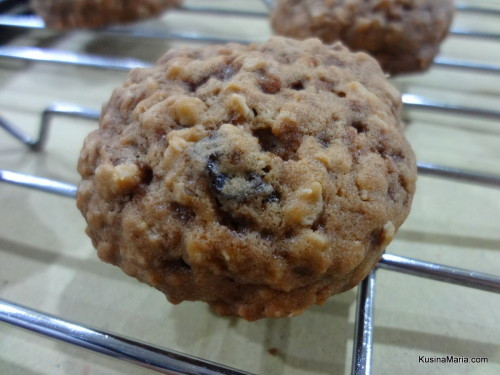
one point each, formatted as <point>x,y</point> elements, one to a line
<point>260,179</point>
<point>403,35</point>
<point>70,14</point>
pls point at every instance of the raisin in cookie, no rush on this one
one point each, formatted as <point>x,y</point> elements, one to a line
<point>261,179</point>
<point>70,14</point>
<point>403,35</point>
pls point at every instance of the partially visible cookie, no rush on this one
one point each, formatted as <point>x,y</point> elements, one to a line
<point>80,14</point>
<point>403,35</point>
<point>260,179</point>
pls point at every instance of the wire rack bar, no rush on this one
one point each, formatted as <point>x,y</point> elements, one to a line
<point>132,32</point>
<point>21,21</point>
<point>151,357</point>
<point>474,34</point>
<point>71,58</point>
<point>478,10</point>
<point>458,174</point>
<point>222,12</point>
<point>423,168</point>
<point>362,352</point>
<point>440,272</point>
<point>471,66</point>
<point>271,4</point>
<point>38,183</point>
<point>34,22</point>
<point>412,101</point>
<point>67,110</point>
<point>125,64</point>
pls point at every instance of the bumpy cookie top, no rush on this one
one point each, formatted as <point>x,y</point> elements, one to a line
<point>69,14</point>
<point>259,178</point>
<point>403,35</point>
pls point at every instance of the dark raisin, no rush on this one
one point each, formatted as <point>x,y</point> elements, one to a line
<point>236,224</point>
<point>272,351</point>
<point>303,271</point>
<point>319,224</point>
<point>182,212</point>
<point>177,265</point>
<point>212,163</point>
<point>323,139</point>
<point>267,140</point>
<point>274,197</point>
<point>193,86</point>
<point>299,85</point>
<point>146,173</point>
<point>270,84</point>
<point>375,238</point>
<point>218,179</point>
<point>403,182</point>
<point>360,127</point>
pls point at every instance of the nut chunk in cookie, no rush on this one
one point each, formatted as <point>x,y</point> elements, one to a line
<point>403,35</point>
<point>260,179</point>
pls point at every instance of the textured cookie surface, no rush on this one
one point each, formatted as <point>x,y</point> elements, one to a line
<point>70,14</point>
<point>260,179</point>
<point>403,35</point>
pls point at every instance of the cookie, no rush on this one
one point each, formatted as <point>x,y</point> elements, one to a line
<point>403,35</point>
<point>80,14</point>
<point>258,178</point>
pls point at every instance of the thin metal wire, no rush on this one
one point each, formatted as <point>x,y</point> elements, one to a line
<point>223,12</point>
<point>412,101</point>
<point>478,10</point>
<point>470,66</point>
<point>34,22</point>
<point>362,352</point>
<point>70,58</point>
<point>161,360</point>
<point>125,64</point>
<point>458,174</point>
<point>38,183</point>
<point>440,272</point>
<point>474,34</point>
<point>131,32</point>
<point>67,110</point>
<point>73,110</point>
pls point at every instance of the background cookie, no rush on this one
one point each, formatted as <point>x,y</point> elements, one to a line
<point>403,35</point>
<point>260,179</point>
<point>69,14</point>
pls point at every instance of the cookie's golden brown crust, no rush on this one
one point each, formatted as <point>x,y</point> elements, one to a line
<point>403,35</point>
<point>260,179</point>
<point>82,14</point>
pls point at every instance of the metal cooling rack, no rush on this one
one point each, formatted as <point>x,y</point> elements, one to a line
<point>165,360</point>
